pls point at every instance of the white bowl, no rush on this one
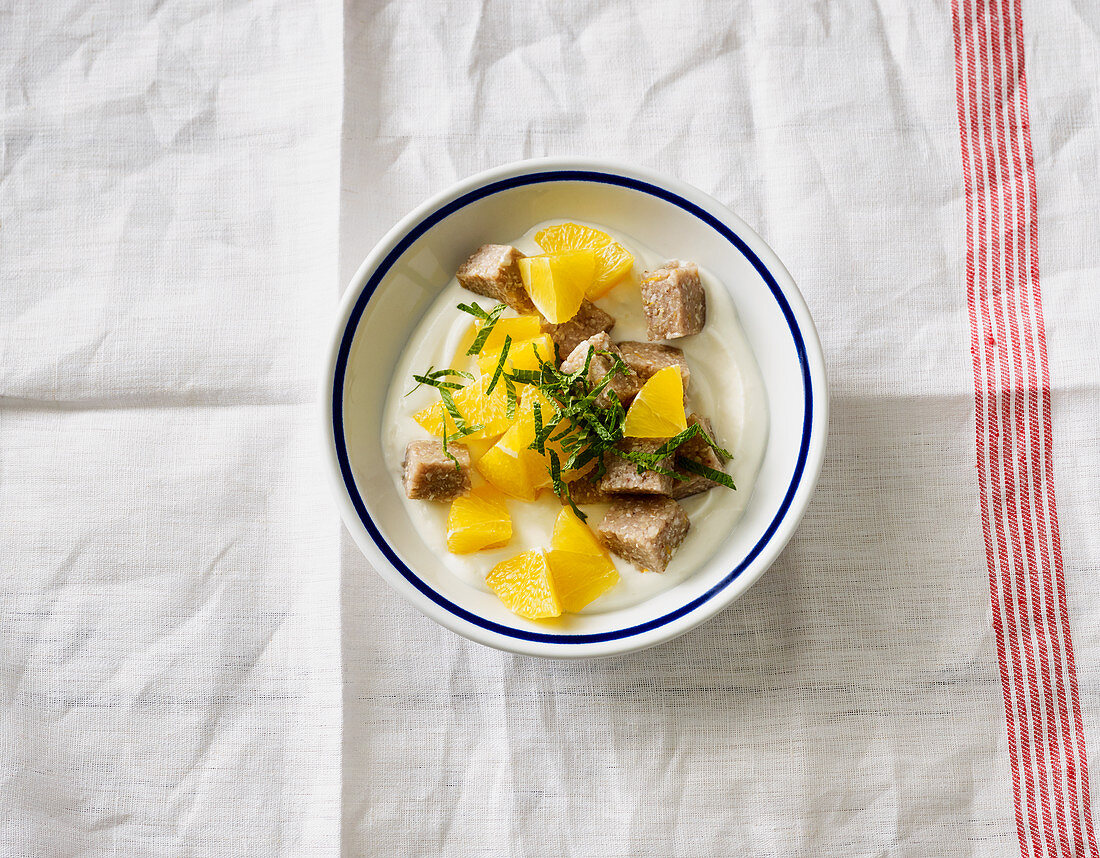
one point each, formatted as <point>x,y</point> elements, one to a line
<point>410,266</point>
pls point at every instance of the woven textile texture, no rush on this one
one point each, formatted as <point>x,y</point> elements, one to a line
<point>854,702</point>
<point>169,605</point>
<point>196,661</point>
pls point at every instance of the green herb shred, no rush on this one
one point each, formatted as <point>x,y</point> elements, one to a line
<point>486,328</point>
<point>500,364</point>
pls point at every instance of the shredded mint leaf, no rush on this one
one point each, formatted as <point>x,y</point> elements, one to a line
<point>647,462</point>
<point>537,444</point>
<point>446,449</point>
<point>432,376</point>
<point>563,434</point>
<point>568,498</point>
<point>720,477</point>
<point>510,391</point>
<point>420,384</point>
<point>725,454</point>
<point>527,376</point>
<point>436,382</point>
<point>500,364</point>
<point>581,458</point>
<point>555,475</point>
<point>486,328</point>
<point>602,431</point>
<point>461,427</point>
<point>474,310</point>
<point>544,432</point>
<point>695,430</point>
<point>586,403</point>
<point>674,442</point>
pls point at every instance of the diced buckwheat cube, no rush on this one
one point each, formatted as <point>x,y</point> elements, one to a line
<point>645,531</point>
<point>696,446</point>
<point>492,271</point>
<point>430,475</point>
<point>623,385</point>
<point>647,358</point>
<point>699,451</point>
<point>590,320</point>
<point>585,490</point>
<point>622,477</point>
<point>674,301</point>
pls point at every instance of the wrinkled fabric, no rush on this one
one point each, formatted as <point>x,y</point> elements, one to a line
<point>169,605</point>
<point>850,703</point>
<point>195,661</point>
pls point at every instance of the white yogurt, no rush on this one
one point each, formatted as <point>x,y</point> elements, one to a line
<point>725,386</point>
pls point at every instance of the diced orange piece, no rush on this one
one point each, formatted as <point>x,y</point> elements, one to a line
<point>573,535</point>
<point>525,585</point>
<point>613,261</point>
<point>478,521</point>
<point>558,282</point>
<point>509,464</point>
<point>658,409</point>
<point>488,411</point>
<point>519,328</point>
<point>582,568</point>
<point>512,466</point>
<point>508,471</point>
<point>525,354</point>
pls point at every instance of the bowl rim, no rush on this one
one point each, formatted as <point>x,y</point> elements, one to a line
<point>683,617</point>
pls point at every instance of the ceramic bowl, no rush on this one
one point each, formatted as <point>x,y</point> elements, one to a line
<point>404,274</point>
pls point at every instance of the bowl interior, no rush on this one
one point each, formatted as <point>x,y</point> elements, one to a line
<point>399,290</point>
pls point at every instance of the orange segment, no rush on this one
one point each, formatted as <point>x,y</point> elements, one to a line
<point>574,536</point>
<point>510,465</point>
<point>613,261</point>
<point>658,409</point>
<point>519,328</point>
<point>521,355</point>
<point>558,282</point>
<point>508,471</point>
<point>580,579</point>
<point>477,521</point>
<point>582,569</point>
<point>525,585</point>
<point>490,412</point>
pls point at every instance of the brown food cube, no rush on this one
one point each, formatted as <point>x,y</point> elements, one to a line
<point>492,271</point>
<point>590,320</point>
<point>624,385</point>
<point>696,446</point>
<point>645,531</point>
<point>647,358</point>
<point>585,490</point>
<point>621,476</point>
<point>699,451</point>
<point>431,475</point>
<point>674,301</point>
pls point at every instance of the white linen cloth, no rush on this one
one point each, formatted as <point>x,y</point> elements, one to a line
<point>851,702</point>
<point>194,661</point>
<point>169,604</point>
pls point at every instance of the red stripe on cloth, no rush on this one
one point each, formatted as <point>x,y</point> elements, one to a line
<point>1007,53</point>
<point>1032,285</point>
<point>967,130</point>
<point>1013,438</point>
